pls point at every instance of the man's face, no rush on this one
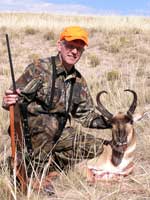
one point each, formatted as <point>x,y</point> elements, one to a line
<point>70,52</point>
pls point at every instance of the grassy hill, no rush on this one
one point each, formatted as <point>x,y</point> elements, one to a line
<point>117,58</point>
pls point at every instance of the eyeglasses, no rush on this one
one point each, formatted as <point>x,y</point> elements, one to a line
<point>70,46</point>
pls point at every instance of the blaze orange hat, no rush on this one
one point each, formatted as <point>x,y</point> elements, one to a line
<point>74,33</point>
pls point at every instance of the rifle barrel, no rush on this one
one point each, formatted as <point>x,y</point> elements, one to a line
<point>11,64</point>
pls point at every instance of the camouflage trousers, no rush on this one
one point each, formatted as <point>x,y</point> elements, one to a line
<point>71,147</point>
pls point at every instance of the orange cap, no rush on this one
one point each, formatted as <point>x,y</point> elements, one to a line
<point>74,33</point>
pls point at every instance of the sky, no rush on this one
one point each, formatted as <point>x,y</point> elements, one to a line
<point>96,7</point>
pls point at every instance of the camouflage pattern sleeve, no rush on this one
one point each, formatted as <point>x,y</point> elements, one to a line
<point>31,73</point>
<point>23,80</point>
<point>84,109</point>
<point>28,82</point>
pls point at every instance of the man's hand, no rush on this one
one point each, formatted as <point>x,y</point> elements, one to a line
<point>10,97</point>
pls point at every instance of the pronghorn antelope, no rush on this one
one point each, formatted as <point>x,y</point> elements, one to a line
<point>117,157</point>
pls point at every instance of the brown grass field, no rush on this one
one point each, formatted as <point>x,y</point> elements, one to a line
<point>117,58</point>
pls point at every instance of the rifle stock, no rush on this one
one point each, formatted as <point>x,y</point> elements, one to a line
<point>12,131</point>
<point>19,139</point>
<point>16,133</point>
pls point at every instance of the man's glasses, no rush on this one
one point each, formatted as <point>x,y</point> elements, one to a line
<point>70,46</point>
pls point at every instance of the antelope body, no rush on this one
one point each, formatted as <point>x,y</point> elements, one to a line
<point>117,157</point>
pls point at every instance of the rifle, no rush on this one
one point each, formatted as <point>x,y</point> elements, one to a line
<point>16,134</point>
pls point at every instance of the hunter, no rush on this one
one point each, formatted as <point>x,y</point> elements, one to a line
<point>55,92</point>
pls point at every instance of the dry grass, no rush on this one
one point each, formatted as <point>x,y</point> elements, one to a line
<point>119,51</point>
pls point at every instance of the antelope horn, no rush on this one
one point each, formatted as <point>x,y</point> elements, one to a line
<point>101,108</point>
<point>134,102</point>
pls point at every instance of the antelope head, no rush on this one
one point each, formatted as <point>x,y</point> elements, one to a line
<point>122,127</point>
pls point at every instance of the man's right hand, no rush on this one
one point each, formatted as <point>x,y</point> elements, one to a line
<point>10,98</point>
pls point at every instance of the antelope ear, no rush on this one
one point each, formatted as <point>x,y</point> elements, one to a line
<point>137,117</point>
<point>141,116</point>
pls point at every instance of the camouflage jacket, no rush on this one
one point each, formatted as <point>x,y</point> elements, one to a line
<point>35,84</point>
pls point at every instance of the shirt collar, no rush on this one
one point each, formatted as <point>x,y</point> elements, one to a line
<point>61,70</point>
